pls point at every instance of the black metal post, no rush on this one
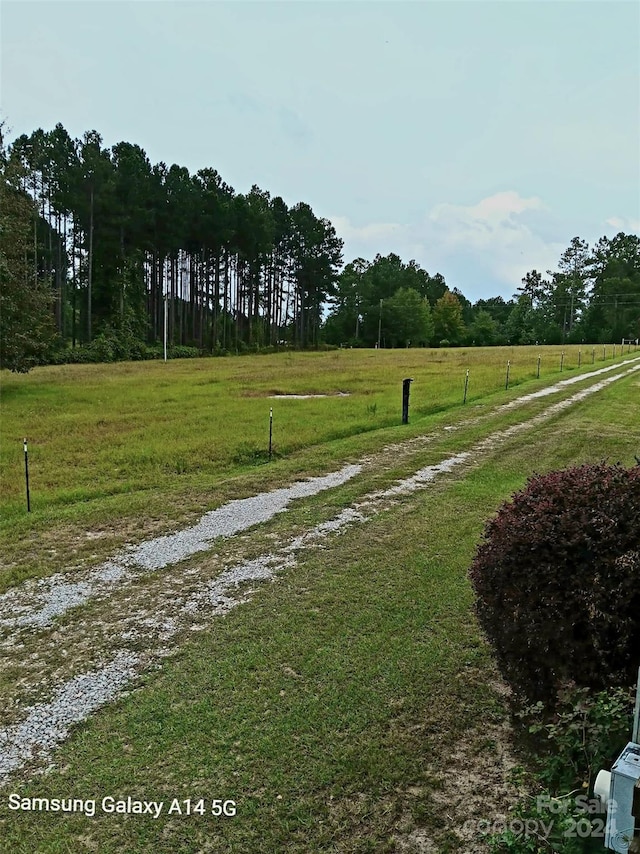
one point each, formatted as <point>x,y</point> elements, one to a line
<point>26,475</point>
<point>466,386</point>
<point>538,375</point>
<point>270,431</point>
<point>406,387</point>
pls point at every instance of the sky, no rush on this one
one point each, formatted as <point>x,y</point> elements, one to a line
<point>476,137</point>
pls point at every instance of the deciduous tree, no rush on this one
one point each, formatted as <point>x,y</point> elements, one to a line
<point>447,319</point>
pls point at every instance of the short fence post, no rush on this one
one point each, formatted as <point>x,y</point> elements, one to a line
<point>26,474</point>
<point>406,388</point>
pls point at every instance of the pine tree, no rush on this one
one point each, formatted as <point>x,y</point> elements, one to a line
<point>26,326</point>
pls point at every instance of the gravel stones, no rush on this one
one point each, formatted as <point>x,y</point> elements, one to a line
<point>47,724</point>
<point>230,519</point>
<point>38,603</point>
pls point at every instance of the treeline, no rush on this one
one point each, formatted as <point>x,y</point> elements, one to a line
<point>98,248</point>
<point>594,297</point>
<point>112,236</point>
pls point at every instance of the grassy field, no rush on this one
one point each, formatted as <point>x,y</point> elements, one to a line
<point>350,706</point>
<point>133,446</point>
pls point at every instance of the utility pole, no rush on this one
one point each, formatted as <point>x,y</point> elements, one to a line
<point>166,302</point>
<point>571,312</point>
<point>90,275</point>
<point>166,311</point>
<point>379,324</point>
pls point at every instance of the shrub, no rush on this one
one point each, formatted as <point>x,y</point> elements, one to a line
<point>557,580</point>
<point>583,734</point>
<point>180,351</point>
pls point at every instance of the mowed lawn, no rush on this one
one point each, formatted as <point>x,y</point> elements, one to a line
<point>109,442</point>
<point>98,430</point>
<point>343,706</point>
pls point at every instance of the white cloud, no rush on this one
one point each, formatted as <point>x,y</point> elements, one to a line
<point>491,222</point>
<point>497,239</point>
<point>496,234</point>
<point>370,233</point>
<point>626,225</point>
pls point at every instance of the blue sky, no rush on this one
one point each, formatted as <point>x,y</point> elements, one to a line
<point>476,137</point>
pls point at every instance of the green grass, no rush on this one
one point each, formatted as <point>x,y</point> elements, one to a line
<point>123,449</point>
<point>102,430</point>
<point>327,705</point>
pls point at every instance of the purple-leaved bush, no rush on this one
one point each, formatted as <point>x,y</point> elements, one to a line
<point>557,581</point>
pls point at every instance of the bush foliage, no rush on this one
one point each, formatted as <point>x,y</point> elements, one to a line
<point>557,580</point>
